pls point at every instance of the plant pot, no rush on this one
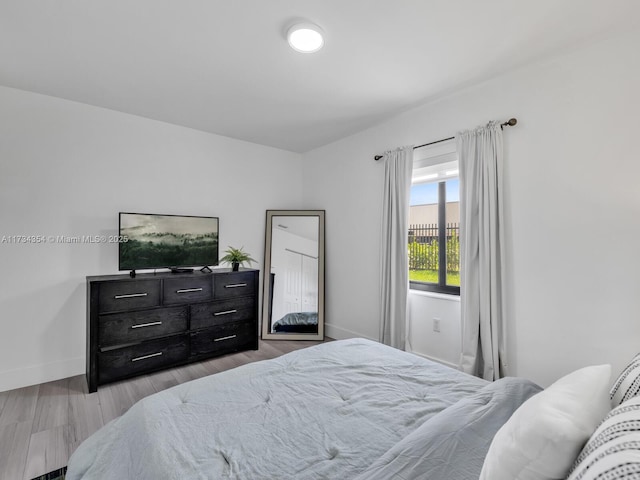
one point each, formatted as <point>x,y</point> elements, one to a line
<point>235,266</point>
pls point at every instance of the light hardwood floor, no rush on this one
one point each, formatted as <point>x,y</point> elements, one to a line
<point>41,425</point>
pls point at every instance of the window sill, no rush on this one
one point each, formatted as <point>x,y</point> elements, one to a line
<point>442,296</point>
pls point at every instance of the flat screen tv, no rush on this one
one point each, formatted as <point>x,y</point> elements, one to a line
<point>167,241</point>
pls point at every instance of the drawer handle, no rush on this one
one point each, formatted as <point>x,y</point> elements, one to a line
<point>224,338</point>
<point>189,290</point>
<point>235,285</point>
<point>140,325</point>
<point>130,295</point>
<point>226,312</point>
<point>144,357</point>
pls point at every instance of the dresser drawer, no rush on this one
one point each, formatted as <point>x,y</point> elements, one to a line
<point>235,284</point>
<point>223,338</point>
<point>126,295</point>
<point>187,289</point>
<point>121,328</point>
<point>207,315</point>
<point>144,357</point>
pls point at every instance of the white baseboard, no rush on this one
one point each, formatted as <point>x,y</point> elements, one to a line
<point>36,374</point>
<point>434,359</point>
<point>340,333</point>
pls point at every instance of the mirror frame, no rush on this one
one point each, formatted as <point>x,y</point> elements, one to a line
<point>266,334</point>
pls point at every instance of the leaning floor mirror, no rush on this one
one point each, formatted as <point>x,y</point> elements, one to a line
<point>293,296</point>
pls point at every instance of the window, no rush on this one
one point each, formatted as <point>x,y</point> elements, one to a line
<point>434,221</point>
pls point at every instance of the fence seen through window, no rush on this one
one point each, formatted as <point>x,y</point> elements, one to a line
<point>424,253</point>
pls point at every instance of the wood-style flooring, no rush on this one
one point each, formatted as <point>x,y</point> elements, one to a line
<point>41,425</point>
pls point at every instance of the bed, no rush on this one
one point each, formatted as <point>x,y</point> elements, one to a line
<point>351,409</point>
<point>359,410</point>
<point>297,322</point>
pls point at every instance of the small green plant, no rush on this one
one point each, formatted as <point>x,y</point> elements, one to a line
<point>236,256</point>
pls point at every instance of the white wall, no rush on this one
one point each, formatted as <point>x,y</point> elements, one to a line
<point>572,207</point>
<point>443,346</point>
<point>68,169</point>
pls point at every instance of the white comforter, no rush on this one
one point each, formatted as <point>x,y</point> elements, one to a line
<point>325,412</point>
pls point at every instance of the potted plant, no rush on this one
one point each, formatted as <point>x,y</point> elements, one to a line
<point>236,257</point>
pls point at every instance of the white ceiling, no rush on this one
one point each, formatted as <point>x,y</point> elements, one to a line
<point>224,66</point>
<point>302,226</point>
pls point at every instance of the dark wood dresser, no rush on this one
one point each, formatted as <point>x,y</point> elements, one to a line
<point>155,321</point>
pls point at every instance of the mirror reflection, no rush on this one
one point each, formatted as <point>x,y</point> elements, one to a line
<point>293,257</point>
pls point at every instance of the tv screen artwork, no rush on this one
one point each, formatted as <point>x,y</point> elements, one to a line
<point>163,241</point>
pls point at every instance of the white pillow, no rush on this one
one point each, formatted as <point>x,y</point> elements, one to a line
<point>543,437</point>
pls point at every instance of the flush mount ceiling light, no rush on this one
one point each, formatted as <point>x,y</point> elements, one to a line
<point>305,37</point>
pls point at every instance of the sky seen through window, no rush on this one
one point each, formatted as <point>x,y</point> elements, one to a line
<point>427,193</point>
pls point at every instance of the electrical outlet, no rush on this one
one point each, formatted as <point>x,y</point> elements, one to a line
<point>436,324</point>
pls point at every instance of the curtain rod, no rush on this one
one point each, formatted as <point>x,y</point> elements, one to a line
<point>509,123</point>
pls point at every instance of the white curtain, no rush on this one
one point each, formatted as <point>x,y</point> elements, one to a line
<point>480,154</point>
<point>394,282</point>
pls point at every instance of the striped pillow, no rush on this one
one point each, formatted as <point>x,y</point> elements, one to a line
<point>628,383</point>
<point>613,451</point>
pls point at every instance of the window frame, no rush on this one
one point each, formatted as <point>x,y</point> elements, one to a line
<point>441,286</point>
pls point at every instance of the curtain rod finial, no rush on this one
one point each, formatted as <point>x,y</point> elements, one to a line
<point>511,122</point>
<point>377,157</point>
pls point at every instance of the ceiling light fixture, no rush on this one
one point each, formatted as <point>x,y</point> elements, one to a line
<point>305,37</point>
